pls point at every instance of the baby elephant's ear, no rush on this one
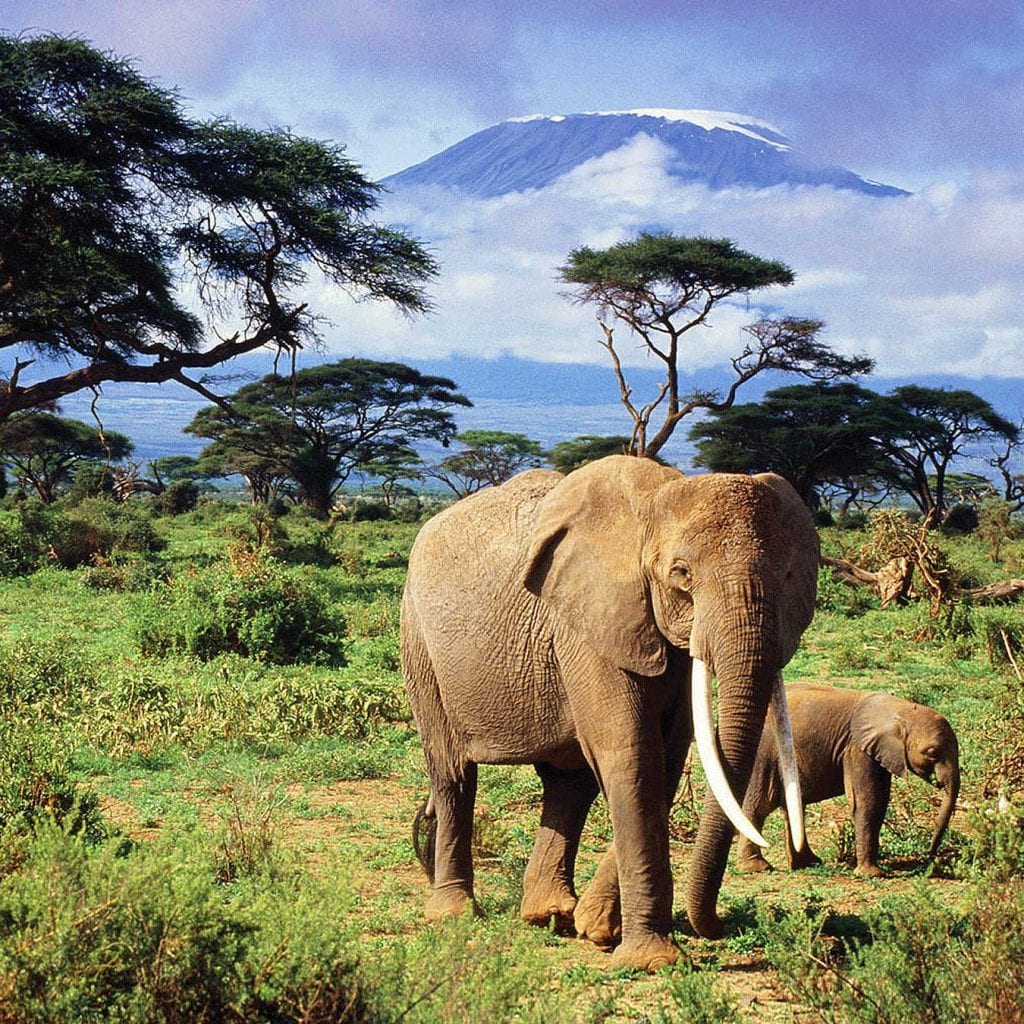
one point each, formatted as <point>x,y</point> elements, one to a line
<point>878,730</point>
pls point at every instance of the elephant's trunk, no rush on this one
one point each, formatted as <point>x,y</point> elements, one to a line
<point>948,775</point>
<point>743,702</point>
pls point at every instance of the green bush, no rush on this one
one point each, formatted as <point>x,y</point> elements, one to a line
<point>178,497</point>
<point>910,959</point>
<point>98,526</point>
<point>27,529</point>
<point>250,605</point>
<point>144,935</point>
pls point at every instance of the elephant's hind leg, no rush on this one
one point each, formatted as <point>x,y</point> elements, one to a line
<point>453,853</point>
<point>548,888</point>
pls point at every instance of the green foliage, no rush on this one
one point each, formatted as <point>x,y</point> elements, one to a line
<point>41,683</point>
<point>178,497</point>
<point>960,519</point>
<point>566,456</point>
<point>27,528</point>
<point>99,527</point>
<point>920,960</point>
<point>833,595</point>
<point>253,606</point>
<point>693,996</point>
<point>317,425</point>
<point>44,449</point>
<point>488,458</point>
<point>146,936</point>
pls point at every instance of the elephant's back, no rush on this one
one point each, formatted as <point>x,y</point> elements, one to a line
<point>494,522</point>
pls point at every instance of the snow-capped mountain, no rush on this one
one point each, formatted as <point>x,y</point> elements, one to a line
<point>718,149</point>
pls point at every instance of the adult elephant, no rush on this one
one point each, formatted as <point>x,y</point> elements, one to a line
<point>554,621</point>
<point>853,742</point>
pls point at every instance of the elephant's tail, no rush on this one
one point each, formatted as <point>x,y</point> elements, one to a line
<point>424,835</point>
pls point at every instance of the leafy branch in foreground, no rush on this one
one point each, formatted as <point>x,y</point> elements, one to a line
<point>138,244</point>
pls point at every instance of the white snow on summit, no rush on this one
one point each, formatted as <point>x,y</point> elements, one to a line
<point>706,119</point>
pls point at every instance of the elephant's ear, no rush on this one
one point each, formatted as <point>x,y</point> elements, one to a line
<point>795,520</point>
<point>585,560</point>
<point>881,733</point>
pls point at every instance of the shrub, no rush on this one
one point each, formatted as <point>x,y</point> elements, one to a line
<point>177,498</point>
<point>960,519</point>
<point>27,529</point>
<point>99,526</point>
<point>144,935</point>
<point>250,605</point>
<point>369,512</point>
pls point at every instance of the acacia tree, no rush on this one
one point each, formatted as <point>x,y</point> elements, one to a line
<point>565,456</point>
<point>318,425</point>
<point>44,450</point>
<point>662,286</point>
<point>390,466</point>
<point>138,244</point>
<point>924,429</point>
<point>810,434</point>
<point>489,458</point>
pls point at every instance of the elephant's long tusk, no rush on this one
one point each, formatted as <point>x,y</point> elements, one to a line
<point>787,763</point>
<point>704,733</point>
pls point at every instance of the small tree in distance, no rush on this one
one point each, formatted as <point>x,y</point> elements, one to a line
<point>44,450</point>
<point>490,458</point>
<point>321,423</point>
<point>566,456</point>
<point>661,286</point>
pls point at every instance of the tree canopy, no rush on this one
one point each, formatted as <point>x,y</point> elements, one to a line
<point>565,456</point>
<point>853,439</point>
<point>926,429</point>
<point>488,458</point>
<point>44,449</point>
<point>807,433</point>
<point>661,286</point>
<point>317,425</point>
<point>139,244</point>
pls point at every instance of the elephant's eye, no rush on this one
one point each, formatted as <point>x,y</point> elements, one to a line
<point>680,572</point>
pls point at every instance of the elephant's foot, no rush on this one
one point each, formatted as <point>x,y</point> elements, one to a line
<point>805,858</point>
<point>598,916</point>
<point>869,871</point>
<point>647,953</point>
<point>555,903</point>
<point>750,865</point>
<point>450,902</point>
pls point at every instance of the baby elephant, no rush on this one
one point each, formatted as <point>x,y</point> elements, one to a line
<point>852,741</point>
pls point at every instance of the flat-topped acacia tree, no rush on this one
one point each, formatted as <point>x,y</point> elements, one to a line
<point>139,244</point>
<point>661,286</point>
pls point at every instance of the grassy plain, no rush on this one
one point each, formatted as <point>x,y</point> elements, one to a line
<point>208,772</point>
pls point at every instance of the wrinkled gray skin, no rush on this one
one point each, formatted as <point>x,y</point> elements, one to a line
<point>852,742</point>
<point>550,621</point>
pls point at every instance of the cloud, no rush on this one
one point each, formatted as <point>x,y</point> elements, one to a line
<point>926,283</point>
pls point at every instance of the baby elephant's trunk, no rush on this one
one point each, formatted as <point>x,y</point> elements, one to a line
<point>424,836</point>
<point>947,774</point>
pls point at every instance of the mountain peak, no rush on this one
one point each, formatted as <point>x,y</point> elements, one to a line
<point>709,120</point>
<point>709,147</point>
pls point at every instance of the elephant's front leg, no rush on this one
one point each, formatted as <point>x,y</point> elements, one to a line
<point>599,911</point>
<point>635,787</point>
<point>548,886</point>
<point>453,854</point>
<point>868,786</point>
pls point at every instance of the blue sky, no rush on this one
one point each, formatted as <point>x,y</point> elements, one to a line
<point>925,95</point>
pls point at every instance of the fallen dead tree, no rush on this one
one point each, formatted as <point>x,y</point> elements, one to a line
<point>893,583</point>
<point>914,567</point>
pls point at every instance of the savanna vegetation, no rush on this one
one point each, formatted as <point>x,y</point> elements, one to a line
<point>209,773</point>
<point>208,768</point>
